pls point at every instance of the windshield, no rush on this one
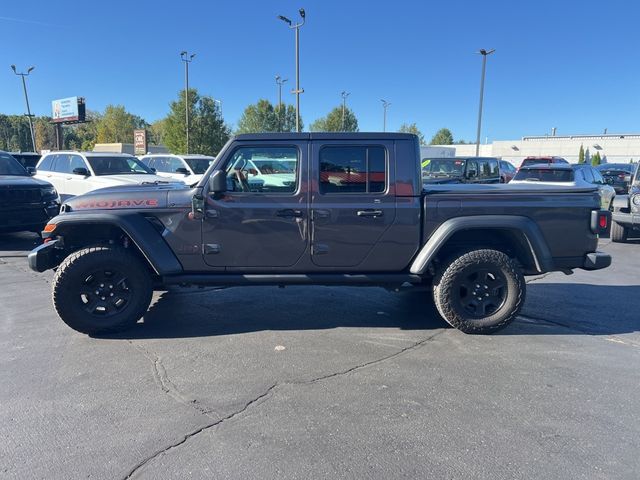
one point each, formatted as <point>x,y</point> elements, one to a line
<point>615,168</point>
<point>117,166</point>
<point>544,175</point>
<point>268,167</point>
<point>10,166</point>
<point>443,167</point>
<point>199,165</point>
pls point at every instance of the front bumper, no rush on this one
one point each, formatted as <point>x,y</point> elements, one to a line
<point>44,257</point>
<point>596,261</point>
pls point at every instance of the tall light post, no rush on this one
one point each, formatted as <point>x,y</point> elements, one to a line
<point>280,81</point>
<point>385,105</point>
<point>298,90</point>
<point>219,102</point>
<point>484,54</point>
<point>187,59</point>
<point>344,106</point>
<point>26,98</point>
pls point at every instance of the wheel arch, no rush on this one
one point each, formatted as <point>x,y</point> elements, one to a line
<point>84,229</point>
<point>518,236</point>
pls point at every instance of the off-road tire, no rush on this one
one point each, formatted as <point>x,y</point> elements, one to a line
<point>619,233</point>
<point>80,272</point>
<point>450,297</point>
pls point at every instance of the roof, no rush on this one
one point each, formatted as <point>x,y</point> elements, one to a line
<point>92,154</point>
<point>179,155</point>
<point>327,136</point>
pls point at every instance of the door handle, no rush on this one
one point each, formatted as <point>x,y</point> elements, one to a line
<point>370,213</point>
<point>289,212</point>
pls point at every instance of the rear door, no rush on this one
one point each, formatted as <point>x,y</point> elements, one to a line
<point>352,201</point>
<point>76,184</point>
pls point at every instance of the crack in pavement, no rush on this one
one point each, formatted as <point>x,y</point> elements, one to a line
<point>162,378</point>
<point>539,277</point>
<point>186,437</point>
<point>255,400</point>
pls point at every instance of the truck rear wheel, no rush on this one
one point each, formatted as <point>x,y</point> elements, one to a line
<point>619,233</point>
<point>480,291</point>
<point>101,289</point>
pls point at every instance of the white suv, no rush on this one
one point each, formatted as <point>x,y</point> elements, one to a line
<point>188,168</point>
<point>76,173</point>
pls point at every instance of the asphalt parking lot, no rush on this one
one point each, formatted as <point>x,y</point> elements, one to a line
<point>318,382</point>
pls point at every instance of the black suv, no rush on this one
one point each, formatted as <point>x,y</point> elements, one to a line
<point>26,203</point>
<point>460,170</point>
<point>27,159</point>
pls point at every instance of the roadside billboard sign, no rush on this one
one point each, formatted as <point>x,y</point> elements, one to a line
<point>139,142</point>
<point>65,110</point>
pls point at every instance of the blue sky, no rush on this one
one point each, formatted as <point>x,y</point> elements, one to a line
<point>574,65</point>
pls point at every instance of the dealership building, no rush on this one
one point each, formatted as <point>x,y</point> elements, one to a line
<point>613,148</point>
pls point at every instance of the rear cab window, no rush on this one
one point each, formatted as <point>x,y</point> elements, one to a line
<point>545,175</point>
<point>353,169</point>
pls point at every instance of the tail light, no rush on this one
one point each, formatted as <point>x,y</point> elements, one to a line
<point>600,221</point>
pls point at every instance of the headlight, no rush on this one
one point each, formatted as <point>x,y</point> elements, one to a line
<point>636,200</point>
<point>48,192</point>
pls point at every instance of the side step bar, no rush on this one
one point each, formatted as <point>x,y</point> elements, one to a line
<point>226,279</point>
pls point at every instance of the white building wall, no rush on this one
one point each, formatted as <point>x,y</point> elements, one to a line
<point>613,148</point>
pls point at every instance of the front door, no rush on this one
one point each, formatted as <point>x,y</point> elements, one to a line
<point>261,222</point>
<point>353,201</point>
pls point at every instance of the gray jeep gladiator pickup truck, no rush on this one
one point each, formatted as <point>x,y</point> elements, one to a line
<point>338,209</point>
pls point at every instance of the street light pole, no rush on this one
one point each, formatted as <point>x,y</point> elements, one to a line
<point>219,102</point>
<point>26,98</point>
<point>484,54</point>
<point>280,81</point>
<point>298,90</point>
<point>187,59</point>
<point>344,106</point>
<point>385,105</point>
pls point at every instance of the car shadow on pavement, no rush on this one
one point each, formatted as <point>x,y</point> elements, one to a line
<point>193,313</point>
<point>550,309</point>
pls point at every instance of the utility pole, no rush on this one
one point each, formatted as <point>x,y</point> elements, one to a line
<point>298,90</point>
<point>484,54</point>
<point>187,59</point>
<point>344,106</point>
<point>280,81</point>
<point>26,98</point>
<point>385,105</point>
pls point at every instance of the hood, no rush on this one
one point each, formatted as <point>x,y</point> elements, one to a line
<point>441,180</point>
<point>138,197</point>
<point>22,181</point>
<point>132,179</point>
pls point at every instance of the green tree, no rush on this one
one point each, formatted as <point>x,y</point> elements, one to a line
<point>14,133</point>
<point>442,137</point>
<point>333,121</point>
<point>207,130</point>
<point>45,133</point>
<point>412,128</point>
<point>116,125</point>
<point>262,116</point>
<point>596,159</point>
<point>587,156</point>
<point>581,154</point>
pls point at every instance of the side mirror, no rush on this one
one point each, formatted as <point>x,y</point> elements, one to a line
<point>182,170</point>
<point>627,178</point>
<point>153,170</point>
<point>218,182</point>
<point>31,171</point>
<point>81,171</point>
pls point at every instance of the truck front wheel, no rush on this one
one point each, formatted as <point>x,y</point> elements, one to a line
<point>480,291</point>
<point>101,289</point>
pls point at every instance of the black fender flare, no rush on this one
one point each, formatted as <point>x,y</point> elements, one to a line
<point>143,234</point>
<point>620,202</point>
<point>535,241</point>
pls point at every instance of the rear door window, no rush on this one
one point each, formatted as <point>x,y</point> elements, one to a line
<point>46,163</point>
<point>357,169</point>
